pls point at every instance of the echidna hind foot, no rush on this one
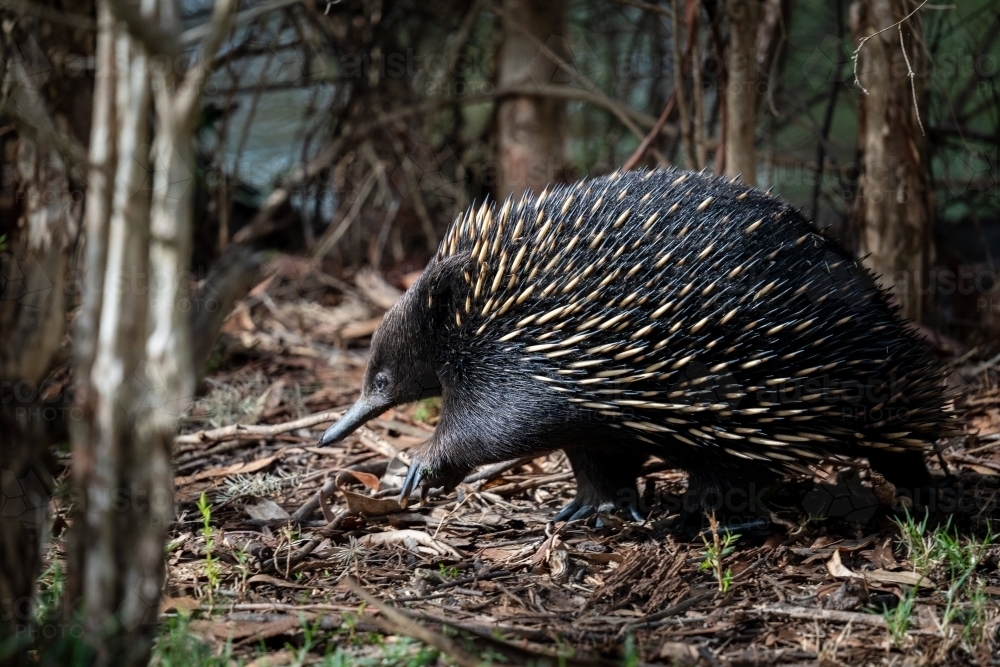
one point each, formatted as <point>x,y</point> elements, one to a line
<point>605,484</point>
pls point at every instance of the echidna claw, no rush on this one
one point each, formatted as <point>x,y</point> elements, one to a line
<point>575,511</point>
<point>414,476</point>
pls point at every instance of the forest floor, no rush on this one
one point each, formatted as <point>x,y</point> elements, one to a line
<point>288,553</point>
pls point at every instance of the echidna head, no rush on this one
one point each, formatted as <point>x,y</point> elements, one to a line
<point>401,367</point>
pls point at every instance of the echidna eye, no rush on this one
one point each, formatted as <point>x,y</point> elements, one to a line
<point>380,382</point>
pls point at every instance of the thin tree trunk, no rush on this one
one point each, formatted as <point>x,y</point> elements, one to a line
<point>134,367</point>
<point>530,131</point>
<point>741,90</point>
<point>892,212</point>
<point>683,112</point>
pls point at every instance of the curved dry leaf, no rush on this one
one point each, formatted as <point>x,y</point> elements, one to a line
<point>358,503</point>
<point>411,539</point>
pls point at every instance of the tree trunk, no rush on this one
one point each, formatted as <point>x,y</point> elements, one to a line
<point>134,368</point>
<point>530,130</point>
<point>32,321</point>
<point>741,90</point>
<point>892,211</point>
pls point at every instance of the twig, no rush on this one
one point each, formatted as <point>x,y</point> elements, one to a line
<point>495,470</point>
<point>330,238</point>
<point>812,614</point>
<point>395,621</point>
<point>676,609</point>
<point>913,85</point>
<point>517,487</point>
<point>188,102</point>
<point>857,51</point>
<point>243,431</point>
<point>962,458</point>
<point>631,163</point>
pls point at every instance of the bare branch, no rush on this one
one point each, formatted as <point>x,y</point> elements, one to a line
<point>857,51</point>
<point>189,94</point>
<point>155,40</point>
<point>913,85</point>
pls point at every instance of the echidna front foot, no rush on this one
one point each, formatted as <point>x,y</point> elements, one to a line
<point>605,484</point>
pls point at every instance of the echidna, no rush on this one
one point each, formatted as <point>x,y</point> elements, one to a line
<point>659,313</point>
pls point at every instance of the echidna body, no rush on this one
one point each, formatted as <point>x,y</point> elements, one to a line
<point>659,313</point>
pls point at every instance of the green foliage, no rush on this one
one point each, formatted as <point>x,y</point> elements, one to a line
<point>715,553</point>
<point>900,619</point>
<point>178,647</point>
<point>427,409</point>
<point>942,548</point>
<point>450,572</point>
<point>211,565</point>
<point>632,658</point>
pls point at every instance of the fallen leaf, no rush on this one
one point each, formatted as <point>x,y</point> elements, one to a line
<point>904,578</point>
<point>835,567</point>
<point>183,603</point>
<point>366,478</point>
<point>358,503</point>
<point>839,570</point>
<point>497,553</point>
<point>266,509</point>
<point>883,557</point>
<point>235,469</point>
<point>411,539</point>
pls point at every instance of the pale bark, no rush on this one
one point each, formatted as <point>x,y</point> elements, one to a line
<point>741,90</point>
<point>530,130</point>
<point>134,367</point>
<point>892,211</point>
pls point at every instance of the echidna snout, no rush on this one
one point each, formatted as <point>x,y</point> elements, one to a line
<point>653,314</point>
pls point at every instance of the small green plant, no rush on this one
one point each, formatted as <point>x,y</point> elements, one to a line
<point>177,646</point>
<point>211,565</point>
<point>243,567</point>
<point>3,243</point>
<point>899,619</point>
<point>427,410</point>
<point>716,551</point>
<point>942,547</point>
<point>978,614</point>
<point>51,585</point>
<point>450,572</point>
<point>631,657</point>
